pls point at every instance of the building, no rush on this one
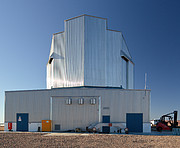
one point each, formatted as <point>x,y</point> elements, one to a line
<point>90,81</point>
<point>89,54</point>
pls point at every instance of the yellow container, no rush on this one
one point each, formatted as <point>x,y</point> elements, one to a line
<point>46,125</point>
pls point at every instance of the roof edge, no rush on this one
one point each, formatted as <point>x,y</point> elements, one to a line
<point>58,33</point>
<point>97,87</point>
<point>85,15</point>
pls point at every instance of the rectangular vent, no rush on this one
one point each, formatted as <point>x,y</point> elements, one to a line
<point>81,101</point>
<point>69,101</point>
<point>93,101</point>
<point>57,127</point>
<point>105,107</point>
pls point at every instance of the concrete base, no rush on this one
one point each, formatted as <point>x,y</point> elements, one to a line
<point>6,127</point>
<point>146,127</point>
<point>33,127</point>
<point>116,126</point>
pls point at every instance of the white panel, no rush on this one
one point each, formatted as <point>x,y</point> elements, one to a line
<point>146,127</point>
<point>94,46</point>
<point>59,61</point>
<point>124,80</point>
<point>130,75</point>
<point>33,127</point>
<point>36,103</point>
<point>74,52</point>
<point>125,48</point>
<point>49,72</point>
<point>6,126</point>
<point>74,116</point>
<point>113,59</point>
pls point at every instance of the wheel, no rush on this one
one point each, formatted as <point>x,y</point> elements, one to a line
<point>159,129</point>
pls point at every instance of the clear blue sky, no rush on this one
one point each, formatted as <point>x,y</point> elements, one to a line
<point>151,29</point>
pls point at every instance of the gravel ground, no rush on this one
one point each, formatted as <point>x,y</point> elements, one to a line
<point>19,140</point>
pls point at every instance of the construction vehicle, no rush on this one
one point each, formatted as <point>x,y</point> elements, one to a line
<point>167,122</point>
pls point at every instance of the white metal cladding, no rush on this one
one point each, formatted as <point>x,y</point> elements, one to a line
<point>131,75</point>
<point>114,102</point>
<point>49,72</point>
<point>114,65</point>
<point>73,116</point>
<point>87,54</point>
<point>74,51</point>
<point>58,63</point>
<point>94,49</point>
<point>36,103</point>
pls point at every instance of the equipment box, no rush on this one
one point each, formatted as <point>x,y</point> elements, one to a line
<point>46,125</point>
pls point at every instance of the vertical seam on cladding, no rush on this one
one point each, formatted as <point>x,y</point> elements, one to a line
<point>83,49</point>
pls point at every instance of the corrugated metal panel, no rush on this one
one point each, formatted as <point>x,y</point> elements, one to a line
<point>59,61</point>
<point>124,73</point>
<point>131,75</point>
<point>49,75</point>
<point>56,69</point>
<point>74,116</point>
<point>94,46</point>
<point>125,48</point>
<point>113,59</point>
<point>74,52</point>
<point>36,103</point>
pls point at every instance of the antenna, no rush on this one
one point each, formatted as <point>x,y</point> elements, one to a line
<point>145,87</point>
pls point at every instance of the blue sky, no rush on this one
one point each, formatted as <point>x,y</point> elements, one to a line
<point>151,29</point>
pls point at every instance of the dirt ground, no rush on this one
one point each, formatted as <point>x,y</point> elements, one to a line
<point>15,139</point>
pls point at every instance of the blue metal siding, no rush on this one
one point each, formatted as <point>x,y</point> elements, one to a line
<point>22,121</point>
<point>134,122</point>
<point>106,119</point>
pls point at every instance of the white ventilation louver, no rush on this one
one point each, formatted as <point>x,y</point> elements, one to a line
<point>69,101</point>
<point>93,101</point>
<point>81,101</point>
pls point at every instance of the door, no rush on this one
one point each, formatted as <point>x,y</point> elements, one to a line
<point>106,119</point>
<point>134,122</point>
<point>22,121</point>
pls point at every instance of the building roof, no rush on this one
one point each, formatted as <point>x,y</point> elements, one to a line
<point>90,87</point>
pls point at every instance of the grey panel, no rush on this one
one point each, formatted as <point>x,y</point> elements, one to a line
<point>74,115</point>
<point>94,51</point>
<point>131,76</point>
<point>36,103</point>
<point>74,45</point>
<point>113,59</point>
